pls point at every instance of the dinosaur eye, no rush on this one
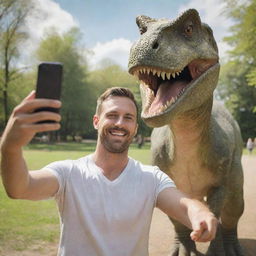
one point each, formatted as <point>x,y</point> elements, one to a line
<point>189,30</point>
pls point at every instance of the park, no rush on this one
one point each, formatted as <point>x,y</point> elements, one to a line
<point>175,91</point>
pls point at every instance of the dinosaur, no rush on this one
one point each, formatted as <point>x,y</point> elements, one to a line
<point>195,140</point>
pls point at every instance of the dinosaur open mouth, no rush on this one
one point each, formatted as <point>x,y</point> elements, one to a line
<point>164,87</point>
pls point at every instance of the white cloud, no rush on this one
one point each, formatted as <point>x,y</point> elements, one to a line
<point>51,15</point>
<point>47,15</point>
<point>116,50</point>
<point>212,13</point>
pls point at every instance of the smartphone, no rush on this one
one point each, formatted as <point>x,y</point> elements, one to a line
<point>49,81</point>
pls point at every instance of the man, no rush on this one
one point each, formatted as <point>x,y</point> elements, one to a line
<point>106,199</point>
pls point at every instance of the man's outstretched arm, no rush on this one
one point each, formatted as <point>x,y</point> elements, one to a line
<point>190,212</point>
<point>23,124</point>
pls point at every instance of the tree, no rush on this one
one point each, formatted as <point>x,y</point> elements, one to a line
<point>76,92</point>
<point>238,74</point>
<point>243,35</point>
<point>12,18</point>
<point>239,97</point>
<point>5,6</point>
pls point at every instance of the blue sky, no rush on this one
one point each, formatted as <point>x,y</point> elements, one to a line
<point>102,21</point>
<point>109,28</point>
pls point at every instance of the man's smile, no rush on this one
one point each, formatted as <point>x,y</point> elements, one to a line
<point>118,132</point>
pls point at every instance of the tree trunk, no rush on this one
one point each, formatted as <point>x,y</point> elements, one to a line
<point>5,95</point>
<point>5,89</point>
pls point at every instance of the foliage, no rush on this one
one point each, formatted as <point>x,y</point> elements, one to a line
<point>76,92</point>
<point>12,33</point>
<point>239,72</point>
<point>243,36</point>
<point>5,7</point>
<point>239,97</point>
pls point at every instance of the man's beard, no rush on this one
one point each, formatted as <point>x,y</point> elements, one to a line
<point>115,147</point>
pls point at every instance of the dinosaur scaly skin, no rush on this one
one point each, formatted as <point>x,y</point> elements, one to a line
<point>195,140</point>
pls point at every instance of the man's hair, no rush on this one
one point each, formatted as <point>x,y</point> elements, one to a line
<point>115,91</point>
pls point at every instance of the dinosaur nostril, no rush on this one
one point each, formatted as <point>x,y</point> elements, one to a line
<point>155,45</point>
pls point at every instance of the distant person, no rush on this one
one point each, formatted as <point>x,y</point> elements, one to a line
<point>250,145</point>
<point>140,140</point>
<point>105,199</point>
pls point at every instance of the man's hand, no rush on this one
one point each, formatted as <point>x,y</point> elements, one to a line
<point>190,212</point>
<point>22,125</point>
<point>204,225</point>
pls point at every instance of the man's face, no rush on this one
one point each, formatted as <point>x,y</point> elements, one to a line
<point>116,124</point>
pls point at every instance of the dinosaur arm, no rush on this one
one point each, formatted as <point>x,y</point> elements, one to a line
<point>190,212</point>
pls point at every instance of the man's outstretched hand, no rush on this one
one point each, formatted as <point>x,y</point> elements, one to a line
<point>190,212</point>
<point>204,225</point>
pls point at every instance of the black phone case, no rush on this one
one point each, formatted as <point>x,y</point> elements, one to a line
<point>49,83</point>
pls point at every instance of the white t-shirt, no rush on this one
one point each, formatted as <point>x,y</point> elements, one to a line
<point>100,217</point>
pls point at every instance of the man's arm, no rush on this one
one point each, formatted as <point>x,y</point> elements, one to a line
<point>190,212</point>
<point>23,124</point>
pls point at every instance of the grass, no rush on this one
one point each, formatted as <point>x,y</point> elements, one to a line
<point>23,223</point>
<point>246,152</point>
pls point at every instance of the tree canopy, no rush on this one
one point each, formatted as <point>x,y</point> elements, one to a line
<point>238,74</point>
<point>76,92</point>
<point>13,14</point>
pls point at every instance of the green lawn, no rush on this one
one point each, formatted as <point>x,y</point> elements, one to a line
<point>23,223</point>
<point>246,152</point>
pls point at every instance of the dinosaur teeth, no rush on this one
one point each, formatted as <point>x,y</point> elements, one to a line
<point>164,75</point>
<point>166,106</point>
<point>136,73</point>
<point>171,101</point>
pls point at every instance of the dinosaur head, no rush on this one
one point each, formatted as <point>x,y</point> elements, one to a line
<point>177,64</point>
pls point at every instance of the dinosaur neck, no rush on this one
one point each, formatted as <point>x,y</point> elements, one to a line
<point>191,129</point>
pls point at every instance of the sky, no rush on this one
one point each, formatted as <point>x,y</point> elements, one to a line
<point>108,26</point>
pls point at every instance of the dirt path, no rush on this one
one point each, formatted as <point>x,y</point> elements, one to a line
<point>161,233</point>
